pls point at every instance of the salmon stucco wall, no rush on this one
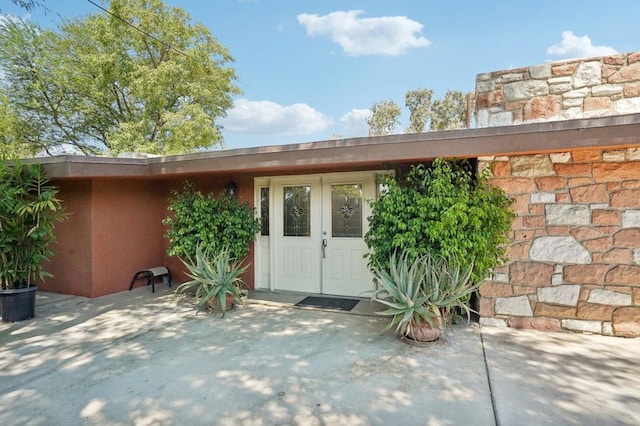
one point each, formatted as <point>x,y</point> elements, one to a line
<point>574,255</point>
<point>115,229</point>
<point>127,231</point>
<point>71,264</point>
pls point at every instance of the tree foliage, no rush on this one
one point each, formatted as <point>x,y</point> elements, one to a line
<point>419,104</point>
<point>12,146</point>
<point>213,224</point>
<point>103,87</point>
<point>384,118</point>
<point>442,210</point>
<point>28,5</point>
<point>449,112</point>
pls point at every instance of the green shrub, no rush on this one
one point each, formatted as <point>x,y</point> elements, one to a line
<point>29,210</point>
<point>442,210</point>
<point>216,224</point>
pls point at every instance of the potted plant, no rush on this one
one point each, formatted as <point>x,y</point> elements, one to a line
<point>423,294</point>
<point>216,281</point>
<point>29,210</point>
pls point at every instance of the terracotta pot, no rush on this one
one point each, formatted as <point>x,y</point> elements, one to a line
<point>424,332</point>
<point>214,307</point>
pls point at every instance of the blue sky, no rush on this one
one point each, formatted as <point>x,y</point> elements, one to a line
<point>310,70</point>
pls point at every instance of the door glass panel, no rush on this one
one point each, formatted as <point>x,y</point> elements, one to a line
<point>264,212</point>
<point>346,211</point>
<point>297,206</point>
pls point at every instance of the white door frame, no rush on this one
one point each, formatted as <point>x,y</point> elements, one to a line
<point>265,263</point>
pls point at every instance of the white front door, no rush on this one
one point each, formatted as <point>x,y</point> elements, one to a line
<point>344,222</point>
<point>296,234</point>
<point>318,224</point>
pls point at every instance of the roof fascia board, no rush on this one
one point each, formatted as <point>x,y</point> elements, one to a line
<point>605,132</point>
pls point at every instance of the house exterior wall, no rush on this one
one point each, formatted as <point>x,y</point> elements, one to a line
<point>574,254</point>
<point>71,265</point>
<point>127,231</point>
<point>581,88</point>
<point>113,230</point>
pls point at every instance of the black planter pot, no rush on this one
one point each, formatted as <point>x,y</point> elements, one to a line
<point>18,304</point>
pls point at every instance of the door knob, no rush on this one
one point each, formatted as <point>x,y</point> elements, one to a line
<point>324,248</point>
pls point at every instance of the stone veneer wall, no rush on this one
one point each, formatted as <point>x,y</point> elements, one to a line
<point>574,256</point>
<point>582,88</point>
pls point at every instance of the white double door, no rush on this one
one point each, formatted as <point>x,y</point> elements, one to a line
<point>318,223</point>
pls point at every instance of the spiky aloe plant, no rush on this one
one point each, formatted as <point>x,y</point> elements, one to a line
<point>425,289</point>
<point>448,284</point>
<point>213,277</point>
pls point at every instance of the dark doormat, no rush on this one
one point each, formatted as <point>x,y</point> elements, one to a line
<point>328,303</point>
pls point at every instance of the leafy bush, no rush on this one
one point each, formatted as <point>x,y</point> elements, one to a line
<point>29,210</point>
<point>214,224</point>
<point>442,210</point>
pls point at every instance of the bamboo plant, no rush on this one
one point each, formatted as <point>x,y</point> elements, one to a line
<point>29,209</point>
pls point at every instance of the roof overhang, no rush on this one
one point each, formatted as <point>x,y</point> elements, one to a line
<point>603,133</point>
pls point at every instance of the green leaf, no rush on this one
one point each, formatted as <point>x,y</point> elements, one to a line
<point>104,88</point>
<point>442,209</point>
<point>213,277</point>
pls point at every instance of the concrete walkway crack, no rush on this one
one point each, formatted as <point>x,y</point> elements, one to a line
<point>486,367</point>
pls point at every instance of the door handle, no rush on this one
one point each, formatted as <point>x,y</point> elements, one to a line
<point>324,248</point>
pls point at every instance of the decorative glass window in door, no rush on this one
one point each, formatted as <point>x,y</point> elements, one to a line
<point>297,214</point>
<point>346,210</point>
<point>264,212</point>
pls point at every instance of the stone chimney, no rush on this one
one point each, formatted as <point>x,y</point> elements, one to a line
<point>577,88</point>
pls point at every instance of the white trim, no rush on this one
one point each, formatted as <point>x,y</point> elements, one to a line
<point>273,181</point>
<point>260,243</point>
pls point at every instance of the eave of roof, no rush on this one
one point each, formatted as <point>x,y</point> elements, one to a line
<point>553,136</point>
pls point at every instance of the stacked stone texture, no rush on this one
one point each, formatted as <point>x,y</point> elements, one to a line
<point>584,88</point>
<point>574,256</point>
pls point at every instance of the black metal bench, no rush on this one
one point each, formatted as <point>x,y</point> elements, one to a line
<point>151,274</point>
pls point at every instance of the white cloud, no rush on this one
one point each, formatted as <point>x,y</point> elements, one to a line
<point>354,123</point>
<point>270,118</point>
<point>573,46</point>
<point>387,35</point>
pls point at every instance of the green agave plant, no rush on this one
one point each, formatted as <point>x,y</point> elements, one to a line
<point>213,277</point>
<point>448,284</point>
<point>425,289</point>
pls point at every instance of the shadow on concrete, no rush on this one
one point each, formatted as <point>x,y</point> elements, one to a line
<point>142,358</point>
<point>561,378</point>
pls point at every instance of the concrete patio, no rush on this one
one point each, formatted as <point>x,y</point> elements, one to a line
<point>142,358</point>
